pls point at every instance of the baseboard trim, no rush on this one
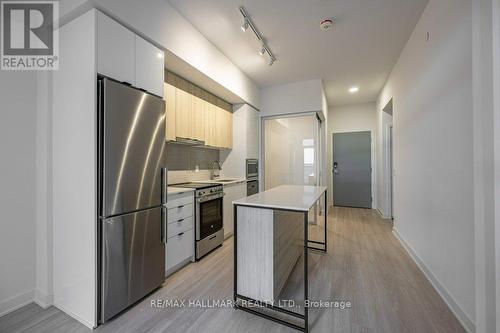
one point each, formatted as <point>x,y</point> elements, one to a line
<point>16,302</point>
<point>462,317</point>
<point>382,214</point>
<point>75,316</point>
<point>42,299</point>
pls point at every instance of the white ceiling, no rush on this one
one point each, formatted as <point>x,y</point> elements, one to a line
<point>360,50</point>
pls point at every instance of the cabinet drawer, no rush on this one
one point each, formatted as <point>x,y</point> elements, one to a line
<point>180,212</point>
<point>180,248</point>
<point>180,199</point>
<point>176,227</point>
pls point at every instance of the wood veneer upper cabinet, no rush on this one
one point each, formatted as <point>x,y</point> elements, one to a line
<point>224,125</point>
<point>197,114</point>
<point>220,127</point>
<point>197,125</point>
<point>209,117</point>
<point>169,95</point>
<point>230,130</point>
<point>183,106</point>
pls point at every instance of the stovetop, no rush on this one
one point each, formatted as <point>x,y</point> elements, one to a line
<point>197,186</point>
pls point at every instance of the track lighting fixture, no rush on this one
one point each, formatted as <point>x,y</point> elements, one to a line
<point>244,26</point>
<point>264,47</point>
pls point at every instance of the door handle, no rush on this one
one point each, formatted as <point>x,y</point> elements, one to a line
<point>164,231</point>
<point>164,185</point>
<point>335,168</point>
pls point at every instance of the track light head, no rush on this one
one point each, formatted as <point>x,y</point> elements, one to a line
<point>244,26</point>
<point>262,50</point>
<point>271,61</point>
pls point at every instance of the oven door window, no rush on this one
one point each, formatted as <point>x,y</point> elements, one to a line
<point>252,169</point>
<point>210,217</point>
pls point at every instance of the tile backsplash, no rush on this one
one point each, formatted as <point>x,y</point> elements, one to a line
<point>187,163</point>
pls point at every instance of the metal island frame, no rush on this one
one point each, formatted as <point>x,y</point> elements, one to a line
<point>262,208</point>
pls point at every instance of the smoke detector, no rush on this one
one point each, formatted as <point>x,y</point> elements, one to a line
<point>326,24</point>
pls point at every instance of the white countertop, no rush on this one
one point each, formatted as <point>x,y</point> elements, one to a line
<point>293,197</point>
<point>216,181</point>
<point>177,190</point>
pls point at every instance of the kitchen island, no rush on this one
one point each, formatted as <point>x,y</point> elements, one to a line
<point>270,235</point>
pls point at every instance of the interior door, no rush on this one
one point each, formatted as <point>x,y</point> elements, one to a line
<point>133,259</point>
<point>352,184</point>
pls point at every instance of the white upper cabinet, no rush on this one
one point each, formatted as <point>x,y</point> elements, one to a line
<point>148,66</point>
<point>124,56</point>
<point>115,50</point>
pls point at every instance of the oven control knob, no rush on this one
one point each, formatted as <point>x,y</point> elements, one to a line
<point>212,191</point>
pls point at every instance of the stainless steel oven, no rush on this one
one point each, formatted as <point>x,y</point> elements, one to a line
<point>209,223</point>
<point>209,229</point>
<point>252,168</point>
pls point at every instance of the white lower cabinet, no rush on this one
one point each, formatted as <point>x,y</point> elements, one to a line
<point>232,192</point>
<point>180,231</point>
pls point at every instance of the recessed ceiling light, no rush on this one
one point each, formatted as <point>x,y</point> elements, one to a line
<point>244,27</point>
<point>353,90</point>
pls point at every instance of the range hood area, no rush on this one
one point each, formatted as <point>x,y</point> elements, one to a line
<point>188,142</point>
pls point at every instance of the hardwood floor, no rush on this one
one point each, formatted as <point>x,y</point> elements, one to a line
<point>365,265</point>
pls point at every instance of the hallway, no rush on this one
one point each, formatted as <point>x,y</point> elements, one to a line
<point>365,265</point>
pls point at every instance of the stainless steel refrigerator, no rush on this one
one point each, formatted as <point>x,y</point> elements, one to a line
<point>132,195</point>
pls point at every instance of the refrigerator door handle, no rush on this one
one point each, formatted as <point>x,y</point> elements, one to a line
<point>164,215</point>
<point>164,185</point>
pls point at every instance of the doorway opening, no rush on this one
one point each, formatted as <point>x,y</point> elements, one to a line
<point>292,153</point>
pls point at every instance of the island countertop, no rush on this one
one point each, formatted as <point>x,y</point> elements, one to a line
<point>289,197</point>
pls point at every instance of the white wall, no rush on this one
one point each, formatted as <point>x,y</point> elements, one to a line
<point>486,68</point>
<point>158,21</point>
<point>352,118</point>
<point>432,115</point>
<point>18,188</point>
<point>245,141</point>
<point>297,97</point>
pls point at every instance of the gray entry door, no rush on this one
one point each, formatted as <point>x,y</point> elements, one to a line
<point>352,172</point>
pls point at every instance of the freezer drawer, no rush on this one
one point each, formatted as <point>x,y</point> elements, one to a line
<point>132,259</point>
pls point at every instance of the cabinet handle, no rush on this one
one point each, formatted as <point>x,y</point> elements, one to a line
<point>180,220</point>
<point>182,233</point>
<point>181,206</point>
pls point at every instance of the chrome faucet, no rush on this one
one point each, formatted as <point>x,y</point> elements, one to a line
<point>216,172</point>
